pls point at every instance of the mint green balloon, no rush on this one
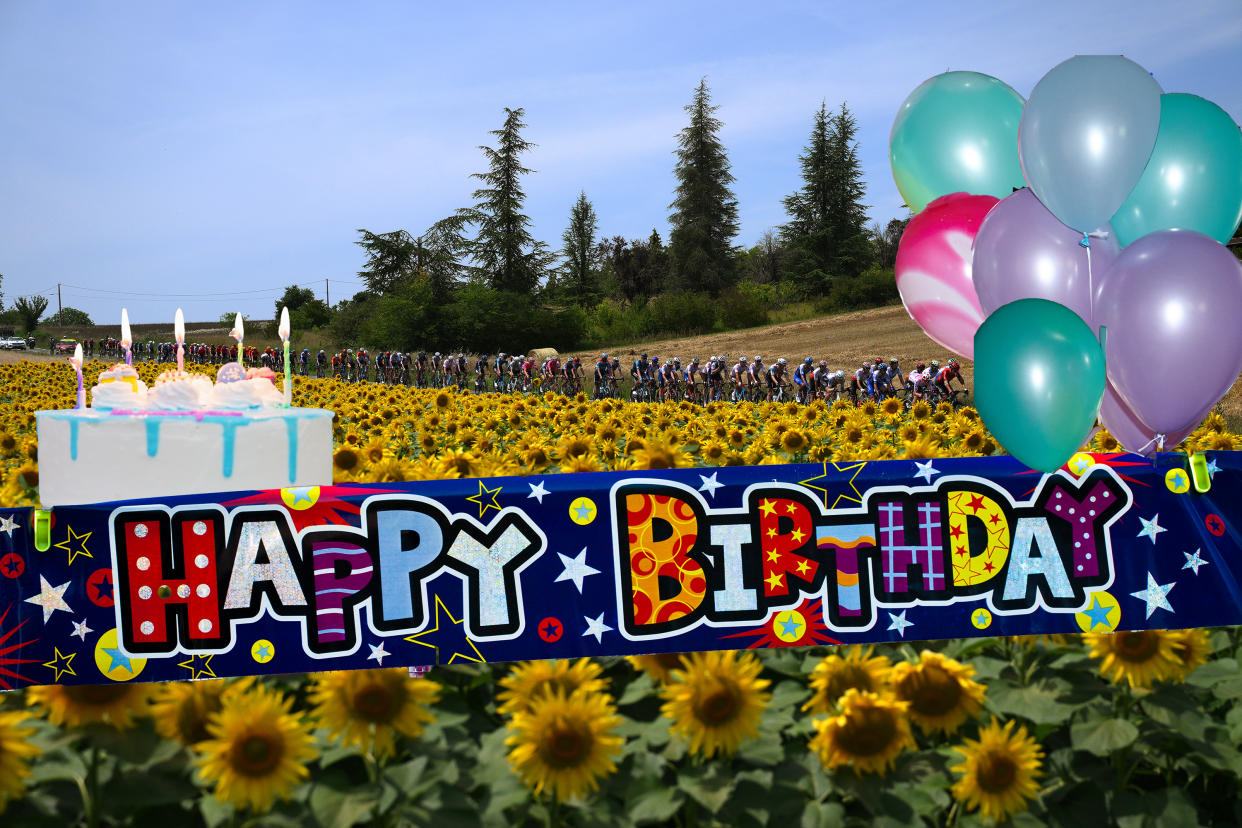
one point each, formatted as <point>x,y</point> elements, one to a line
<point>957,133</point>
<point>1193,180</point>
<point>1039,378</point>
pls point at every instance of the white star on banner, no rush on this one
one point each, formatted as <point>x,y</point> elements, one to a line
<point>50,598</point>
<point>1151,528</point>
<point>81,630</point>
<point>1154,595</point>
<point>537,491</point>
<point>925,471</point>
<point>596,627</point>
<point>576,569</point>
<point>1194,561</point>
<point>7,525</point>
<point>377,653</point>
<point>710,484</point>
<point>899,623</point>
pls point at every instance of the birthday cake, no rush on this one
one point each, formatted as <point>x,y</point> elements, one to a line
<point>183,435</point>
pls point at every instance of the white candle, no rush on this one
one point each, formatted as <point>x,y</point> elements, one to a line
<point>283,330</point>
<point>127,338</point>
<point>76,362</point>
<point>179,333</point>
<point>239,333</point>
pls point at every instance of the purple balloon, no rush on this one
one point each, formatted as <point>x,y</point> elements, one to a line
<point>1130,432</point>
<point>1023,252</point>
<point>1171,304</point>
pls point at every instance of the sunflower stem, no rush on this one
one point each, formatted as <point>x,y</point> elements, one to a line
<point>90,797</point>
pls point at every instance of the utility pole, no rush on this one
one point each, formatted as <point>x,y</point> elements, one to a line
<point>58,298</point>
<point>327,297</point>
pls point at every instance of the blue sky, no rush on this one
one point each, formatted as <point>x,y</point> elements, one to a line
<point>234,148</point>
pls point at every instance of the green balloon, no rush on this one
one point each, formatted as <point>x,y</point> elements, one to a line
<point>957,133</point>
<point>1193,180</point>
<point>1039,378</point>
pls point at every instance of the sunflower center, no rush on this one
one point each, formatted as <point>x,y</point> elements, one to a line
<point>867,732</point>
<point>718,704</point>
<point>192,720</point>
<point>1136,647</point>
<point>931,691</point>
<point>376,703</point>
<point>256,754</point>
<point>97,695</point>
<point>845,677</point>
<point>566,744</point>
<point>996,772</point>
<point>669,661</point>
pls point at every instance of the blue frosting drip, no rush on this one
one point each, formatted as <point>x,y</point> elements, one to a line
<point>73,439</point>
<point>153,436</point>
<point>291,426</point>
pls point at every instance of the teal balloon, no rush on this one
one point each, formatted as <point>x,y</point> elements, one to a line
<point>1039,378</point>
<point>1193,180</point>
<point>957,133</point>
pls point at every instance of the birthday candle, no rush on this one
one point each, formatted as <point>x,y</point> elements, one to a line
<point>76,361</point>
<point>239,333</point>
<point>284,338</point>
<point>179,333</point>
<point>127,338</point>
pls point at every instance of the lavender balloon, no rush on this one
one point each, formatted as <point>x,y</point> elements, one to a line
<point>1130,432</point>
<point>1174,346</point>
<point>1023,252</point>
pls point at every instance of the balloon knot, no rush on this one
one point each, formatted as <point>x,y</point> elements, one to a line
<point>1085,241</point>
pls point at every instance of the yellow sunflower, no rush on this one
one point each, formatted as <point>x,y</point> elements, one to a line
<point>661,456</point>
<point>923,448</point>
<point>529,681</point>
<point>258,750</point>
<point>941,694</point>
<point>794,441</point>
<point>15,749</point>
<point>181,709</point>
<point>659,666</point>
<point>999,773</point>
<point>1192,648</point>
<point>365,708</point>
<point>857,669</point>
<point>716,700</point>
<point>1140,657</point>
<point>869,733</point>
<point>565,743</point>
<point>73,706</point>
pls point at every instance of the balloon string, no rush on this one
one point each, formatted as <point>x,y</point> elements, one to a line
<point>1157,440</point>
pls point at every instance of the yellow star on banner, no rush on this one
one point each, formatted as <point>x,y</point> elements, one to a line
<point>490,503</point>
<point>70,538</point>
<point>61,663</point>
<point>774,581</point>
<point>773,555</point>
<point>199,666</point>
<point>767,507</point>
<point>797,535</point>
<point>414,639</point>
<point>838,467</point>
<point>803,566</point>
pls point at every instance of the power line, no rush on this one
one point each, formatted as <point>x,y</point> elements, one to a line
<point>149,295</point>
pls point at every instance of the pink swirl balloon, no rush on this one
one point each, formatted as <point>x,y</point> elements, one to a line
<point>933,270</point>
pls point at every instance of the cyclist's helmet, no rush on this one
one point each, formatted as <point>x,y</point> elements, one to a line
<point>758,358</point>
<point>922,366</point>
<point>823,363</point>
<point>503,354</point>
<point>781,361</point>
<point>742,360</point>
<point>677,360</point>
<point>866,363</point>
<point>437,353</point>
<point>696,360</point>
<point>807,361</point>
<point>644,356</point>
<point>953,362</point>
<point>603,356</point>
<point>892,361</point>
<point>935,364</point>
<point>321,350</point>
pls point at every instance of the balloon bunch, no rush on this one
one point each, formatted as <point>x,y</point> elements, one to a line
<point>1072,245</point>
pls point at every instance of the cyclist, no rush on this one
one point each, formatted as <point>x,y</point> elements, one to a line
<point>321,362</point>
<point>895,377</point>
<point>776,376</point>
<point>858,384</point>
<point>740,377</point>
<point>877,384</point>
<point>801,377</point>
<point>946,375</point>
<point>603,377</point>
<point>696,373</point>
<point>917,381</point>
<point>480,373</point>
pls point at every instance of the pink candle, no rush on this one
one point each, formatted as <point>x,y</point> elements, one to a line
<point>179,333</point>
<point>76,362</point>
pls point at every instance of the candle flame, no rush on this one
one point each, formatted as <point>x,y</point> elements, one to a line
<point>238,332</point>
<point>76,359</point>
<point>127,338</point>
<point>179,326</point>
<point>283,329</point>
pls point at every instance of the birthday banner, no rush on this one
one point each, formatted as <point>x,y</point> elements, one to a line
<point>568,565</point>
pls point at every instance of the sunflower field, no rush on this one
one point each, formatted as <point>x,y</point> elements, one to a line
<point>1131,728</point>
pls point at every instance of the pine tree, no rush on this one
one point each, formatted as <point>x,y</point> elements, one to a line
<point>506,255</point>
<point>704,217</point>
<point>580,277</point>
<point>827,230</point>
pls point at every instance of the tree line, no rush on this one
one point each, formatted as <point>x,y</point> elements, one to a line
<point>479,279</point>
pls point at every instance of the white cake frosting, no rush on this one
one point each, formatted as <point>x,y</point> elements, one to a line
<point>184,435</point>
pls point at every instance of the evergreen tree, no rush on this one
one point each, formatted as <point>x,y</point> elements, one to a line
<point>827,231</point>
<point>390,259</point>
<point>704,217</point>
<point>506,256</point>
<point>581,263</point>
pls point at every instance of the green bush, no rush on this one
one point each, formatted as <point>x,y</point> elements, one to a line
<point>741,307</point>
<point>872,288</point>
<point>684,312</point>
